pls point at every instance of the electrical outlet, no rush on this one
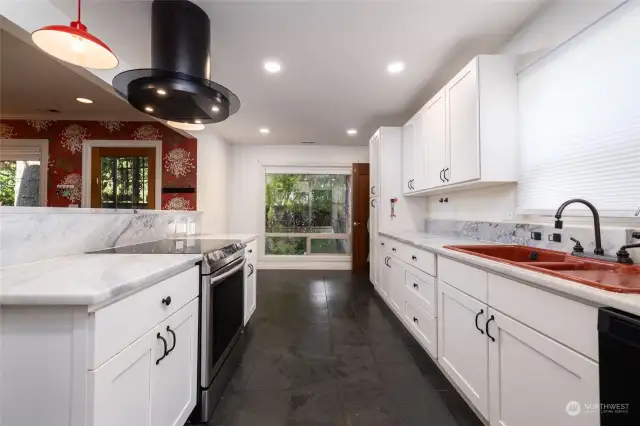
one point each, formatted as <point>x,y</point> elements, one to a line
<point>555,237</point>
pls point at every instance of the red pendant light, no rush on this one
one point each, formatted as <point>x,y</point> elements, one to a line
<point>74,44</point>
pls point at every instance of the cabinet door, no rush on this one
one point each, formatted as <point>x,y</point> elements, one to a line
<point>374,165</point>
<point>407,157</point>
<point>396,285</point>
<point>249,289</point>
<point>419,150</point>
<point>434,129</point>
<point>462,347</point>
<point>373,241</point>
<point>463,128</point>
<point>528,369</point>
<point>383,273</point>
<point>120,390</point>
<point>174,381</point>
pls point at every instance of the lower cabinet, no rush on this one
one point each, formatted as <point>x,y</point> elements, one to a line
<point>463,347</point>
<point>395,278</point>
<point>152,381</point>
<point>529,370</point>
<point>383,273</point>
<point>250,297</point>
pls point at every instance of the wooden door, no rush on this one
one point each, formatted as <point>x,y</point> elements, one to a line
<point>174,379</point>
<point>463,350</point>
<point>121,388</point>
<point>360,216</point>
<point>102,159</point>
<point>463,127</point>
<point>528,369</point>
<point>374,160</point>
<point>407,157</point>
<point>434,128</point>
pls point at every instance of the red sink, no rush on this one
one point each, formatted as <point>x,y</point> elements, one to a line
<point>605,275</point>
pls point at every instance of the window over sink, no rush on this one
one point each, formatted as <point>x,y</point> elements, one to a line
<point>307,212</point>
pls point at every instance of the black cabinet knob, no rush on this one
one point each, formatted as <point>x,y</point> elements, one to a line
<point>393,249</point>
<point>415,285</point>
<point>250,251</point>
<point>167,300</point>
<point>414,257</point>
<point>415,320</point>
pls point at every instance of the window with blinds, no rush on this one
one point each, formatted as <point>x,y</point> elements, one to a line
<point>579,112</point>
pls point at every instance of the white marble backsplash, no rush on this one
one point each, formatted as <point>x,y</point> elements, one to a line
<point>31,234</point>
<point>520,233</point>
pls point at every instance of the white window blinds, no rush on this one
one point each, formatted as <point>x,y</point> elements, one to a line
<point>579,111</point>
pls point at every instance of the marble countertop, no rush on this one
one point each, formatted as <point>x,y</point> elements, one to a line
<point>434,243</point>
<point>93,280</point>
<point>245,238</point>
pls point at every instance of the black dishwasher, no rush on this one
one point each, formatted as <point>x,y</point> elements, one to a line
<point>619,352</point>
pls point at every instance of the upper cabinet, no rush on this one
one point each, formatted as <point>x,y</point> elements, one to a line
<point>374,165</point>
<point>467,133</point>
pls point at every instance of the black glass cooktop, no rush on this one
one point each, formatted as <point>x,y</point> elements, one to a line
<point>177,246</point>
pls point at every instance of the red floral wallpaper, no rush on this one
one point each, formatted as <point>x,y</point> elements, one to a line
<point>179,154</point>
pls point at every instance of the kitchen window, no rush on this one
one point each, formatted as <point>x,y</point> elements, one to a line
<point>307,213</point>
<point>23,173</point>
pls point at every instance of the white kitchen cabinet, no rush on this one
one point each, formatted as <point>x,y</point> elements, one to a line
<point>463,348</point>
<point>143,384</point>
<point>396,279</point>
<point>408,177</point>
<point>529,370</point>
<point>250,297</point>
<point>463,127</point>
<point>383,273</point>
<point>374,245</point>
<point>469,128</point>
<point>374,165</point>
<point>434,140</point>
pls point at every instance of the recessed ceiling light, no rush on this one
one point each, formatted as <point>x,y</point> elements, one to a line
<point>148,109</point>
<point>395,67</point>
<point>186,126</point>
<point>84,100</point>
<point>215,109</point>
<point>161,92</point>
<point>352,132</point>
<point>264,130</point>
<point>272,67</point>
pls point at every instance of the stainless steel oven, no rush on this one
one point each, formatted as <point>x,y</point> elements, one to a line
<point>221,328</point>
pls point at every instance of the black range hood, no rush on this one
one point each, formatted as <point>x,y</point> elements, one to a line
<point>177,87</point>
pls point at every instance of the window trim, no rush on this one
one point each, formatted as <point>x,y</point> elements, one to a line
<point>308,169</point>
<point>43,147</point>
<point>94,143</point>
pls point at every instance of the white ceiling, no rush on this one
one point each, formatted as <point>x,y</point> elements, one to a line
<point>32,82</point>
<point>334,56</point>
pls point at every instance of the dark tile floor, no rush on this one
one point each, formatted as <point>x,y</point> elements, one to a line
<point>324,350</point>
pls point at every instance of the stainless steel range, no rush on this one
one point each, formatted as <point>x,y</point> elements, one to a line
<point>221,326</point>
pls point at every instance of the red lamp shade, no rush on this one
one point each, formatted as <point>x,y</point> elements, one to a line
<point>75,45</point>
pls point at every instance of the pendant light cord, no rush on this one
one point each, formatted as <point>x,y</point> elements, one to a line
<point>79,8</point>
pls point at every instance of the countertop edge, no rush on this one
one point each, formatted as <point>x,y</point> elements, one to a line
<point>590,295</point>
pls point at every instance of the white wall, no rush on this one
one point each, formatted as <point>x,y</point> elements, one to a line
<point>213,183</point>
<point>553,26</point>
<point>247,186</point>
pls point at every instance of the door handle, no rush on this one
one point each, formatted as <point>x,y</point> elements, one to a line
<point>373,190</point>
<point>164,354</point>
<point>486,327</point>
<point>252,270</point>
<point>409,184</point>
<point>169,330</point>
<point>356,223</point>
<point>373,203</point>
<point>444,173</point>
<point>441,175</point>
<point>477,316</point>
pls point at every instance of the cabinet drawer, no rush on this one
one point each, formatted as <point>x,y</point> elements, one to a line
<point>423,326</point>
<point>120,324</point>
<point>571,323</point>
<point>465,278</point>
<point>251,251</point>
<point>392,247</point>
<point>421,288</point>
<point>417,258</point>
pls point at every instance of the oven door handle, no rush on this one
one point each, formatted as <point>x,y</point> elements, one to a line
<point>226,274</point>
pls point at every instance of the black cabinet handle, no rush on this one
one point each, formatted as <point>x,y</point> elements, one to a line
<point>252,270</point>
<point>381,244</point>
<point>415,320</point>
<point>441,175</point>
<point>486,327</point>
<point>444,173</point>
<point>478,315</point>
<point>414,257</point>
<point>169,330</point>
<point>164,355</point>
<point>373,190</point>
<point>373,203</point>
<point>416,286</point>
<point>385,260</point>
<point>167,300</point>
<point>250,251</point>
<point>409,184</point>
